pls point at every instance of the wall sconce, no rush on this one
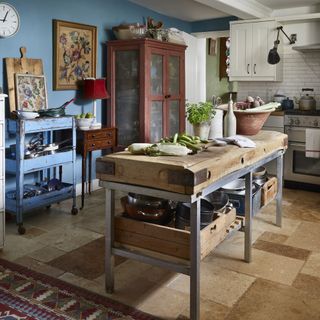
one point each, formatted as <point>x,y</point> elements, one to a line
<point>95,89</point>
<point>273,56</point>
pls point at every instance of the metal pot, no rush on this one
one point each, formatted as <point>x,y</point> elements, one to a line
<point>278,98</point>
<point>287,104</point>
<point>307,102</point>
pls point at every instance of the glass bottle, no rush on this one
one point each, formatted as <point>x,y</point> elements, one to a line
<point>230,121</point>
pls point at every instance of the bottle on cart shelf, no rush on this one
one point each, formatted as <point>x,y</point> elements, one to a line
<point>230,121</point>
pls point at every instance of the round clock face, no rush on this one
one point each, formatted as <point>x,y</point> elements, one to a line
<point>9,20</point>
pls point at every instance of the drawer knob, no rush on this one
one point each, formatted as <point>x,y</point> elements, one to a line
<point>93,144</point>
<point>93,136</point>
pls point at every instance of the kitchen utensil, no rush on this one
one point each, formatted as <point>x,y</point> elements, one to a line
<point>279,97</point>
<point>306,101</point>
<point>55,112</point>
<point>146,201</point>
<point>22,114</point>
<point>219,200</point>
<point>207,214</point>
<point>287,104</point>
<point>54,184</point>
<point>147,213</point>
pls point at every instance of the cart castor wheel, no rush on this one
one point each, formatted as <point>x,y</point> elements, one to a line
<point>74,211</point>
<point>21,229</point>
<point>48,207</point>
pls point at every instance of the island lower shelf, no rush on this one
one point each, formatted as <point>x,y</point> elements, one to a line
<point>153,238</point>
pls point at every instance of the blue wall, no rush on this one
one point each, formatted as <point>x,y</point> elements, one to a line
<point>36,35</point>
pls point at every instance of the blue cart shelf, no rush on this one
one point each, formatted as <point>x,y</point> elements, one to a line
<point>21,166</point>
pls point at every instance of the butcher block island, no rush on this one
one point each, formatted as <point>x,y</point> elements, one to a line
<point>183,179</point>
<point>188,174</point>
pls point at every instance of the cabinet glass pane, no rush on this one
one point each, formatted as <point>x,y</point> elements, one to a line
<point>156,74</point>
<point>156,121</point>
<point>173,117</point>
<point>174,67</point>
<point>127,96</point>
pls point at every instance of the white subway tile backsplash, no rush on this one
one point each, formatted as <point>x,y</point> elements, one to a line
<point>301,70</point>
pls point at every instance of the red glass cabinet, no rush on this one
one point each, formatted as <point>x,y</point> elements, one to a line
<point>146,82</point>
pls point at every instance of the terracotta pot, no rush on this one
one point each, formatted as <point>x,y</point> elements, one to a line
<point>250,123</point>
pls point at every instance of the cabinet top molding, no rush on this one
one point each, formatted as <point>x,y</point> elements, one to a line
<point>302,18</point>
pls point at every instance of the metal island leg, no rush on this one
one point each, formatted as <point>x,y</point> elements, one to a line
<point>195,261</point>
<point>109,236</point>
<point>248,218</point>
<point>279,193</point>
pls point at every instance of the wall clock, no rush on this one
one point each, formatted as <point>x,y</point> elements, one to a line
<point>9,20</point>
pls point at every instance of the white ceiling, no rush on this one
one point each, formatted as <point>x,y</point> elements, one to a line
<point>194,10</point>
<point>287,4</point>
<point>187,10</point>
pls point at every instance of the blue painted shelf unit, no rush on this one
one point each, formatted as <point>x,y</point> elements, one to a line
<point>43,164</point>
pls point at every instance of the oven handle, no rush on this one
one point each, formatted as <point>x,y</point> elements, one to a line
<point>294,129</point>
<point>299,145</point>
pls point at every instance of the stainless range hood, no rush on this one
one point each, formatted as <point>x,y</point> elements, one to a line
<point>308,47</point>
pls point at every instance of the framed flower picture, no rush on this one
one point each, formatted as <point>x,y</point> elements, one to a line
<point>31,92</point>
<point>75,47</point>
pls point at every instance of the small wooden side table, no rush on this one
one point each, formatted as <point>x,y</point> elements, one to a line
<point>91,140</point>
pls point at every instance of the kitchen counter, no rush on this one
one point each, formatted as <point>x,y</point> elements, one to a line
<point>184,179</point>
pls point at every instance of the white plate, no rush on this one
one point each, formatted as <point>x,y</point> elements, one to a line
<point>84,128</point>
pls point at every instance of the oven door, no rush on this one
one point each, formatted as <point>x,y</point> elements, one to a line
<point>298,167</point>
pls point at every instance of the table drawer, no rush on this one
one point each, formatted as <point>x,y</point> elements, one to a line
<point>108,134</point>
<point>99,144</point>
<point>169,241</point>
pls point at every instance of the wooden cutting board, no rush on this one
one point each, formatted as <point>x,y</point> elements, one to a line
<point>20,65</point>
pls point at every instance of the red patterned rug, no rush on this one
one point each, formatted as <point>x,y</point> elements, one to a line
<point>28,295</point>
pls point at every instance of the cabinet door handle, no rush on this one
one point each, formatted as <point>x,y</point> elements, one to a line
<point>248,65</point>
<point>254,68</point>
<point>167,96</point>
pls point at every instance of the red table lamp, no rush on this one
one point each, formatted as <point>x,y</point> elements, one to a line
<point>95,89</point>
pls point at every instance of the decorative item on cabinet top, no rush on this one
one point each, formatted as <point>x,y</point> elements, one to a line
<point>75,47</point>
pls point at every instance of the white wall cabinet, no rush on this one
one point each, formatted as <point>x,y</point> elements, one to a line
<point>250,45</point>
<point>2,171</point>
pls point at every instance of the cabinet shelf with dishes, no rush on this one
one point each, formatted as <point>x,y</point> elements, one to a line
<point>48,189</point>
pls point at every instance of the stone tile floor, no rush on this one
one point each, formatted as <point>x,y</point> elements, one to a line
<point>282,282</point>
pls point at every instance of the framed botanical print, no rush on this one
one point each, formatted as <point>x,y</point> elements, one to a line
<point>31,92</point>
<point>75,49</point>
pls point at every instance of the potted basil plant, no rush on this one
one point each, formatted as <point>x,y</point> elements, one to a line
<point>200,115</point>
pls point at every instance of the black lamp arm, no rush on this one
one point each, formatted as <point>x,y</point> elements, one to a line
<point>281,29</point>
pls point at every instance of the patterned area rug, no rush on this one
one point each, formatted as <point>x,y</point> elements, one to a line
<point>28,295</point>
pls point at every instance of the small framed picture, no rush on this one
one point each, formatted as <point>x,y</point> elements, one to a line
<point>31,92</point>
<point>75,49</point>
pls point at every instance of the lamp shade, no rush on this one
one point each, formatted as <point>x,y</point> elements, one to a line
<point>95,89</point>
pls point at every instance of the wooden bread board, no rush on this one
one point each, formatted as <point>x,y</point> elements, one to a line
<point>20,65</point>
<point>189,174</point>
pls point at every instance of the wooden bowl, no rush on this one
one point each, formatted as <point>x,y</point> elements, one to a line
<point>250,123</point>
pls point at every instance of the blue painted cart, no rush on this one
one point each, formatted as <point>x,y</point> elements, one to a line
<point>44,163</point>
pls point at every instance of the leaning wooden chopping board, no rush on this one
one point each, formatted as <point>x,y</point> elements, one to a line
<point>20,65</point>
<point>188,174</point>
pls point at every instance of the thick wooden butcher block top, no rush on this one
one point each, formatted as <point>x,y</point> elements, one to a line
<point>188,174</point>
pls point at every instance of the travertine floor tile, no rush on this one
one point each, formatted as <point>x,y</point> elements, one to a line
<point>46,254</point>
<point>273,237</point>
<point>307,236</point>
<point>309,284</point>
<point>164,303</point>
<point>33,232</point>
<point>39,266</point>
<point>264,264</point>
<point>216,284</point>
<point>282,249</point>
<point>68,238</point>
<point>209,310</point>
<point>312,266</point>
<point>267,300</point>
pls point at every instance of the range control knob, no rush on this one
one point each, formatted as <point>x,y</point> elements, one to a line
<point>316,123</point>
<point>297,122</point>
<point>291,122</point>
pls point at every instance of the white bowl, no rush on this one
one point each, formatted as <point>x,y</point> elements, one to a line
<point>27,114</point>
<point>84,122</point>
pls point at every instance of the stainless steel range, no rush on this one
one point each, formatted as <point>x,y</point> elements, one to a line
<point>298,169</point>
